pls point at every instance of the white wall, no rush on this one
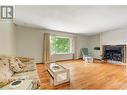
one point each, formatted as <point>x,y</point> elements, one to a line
<point>83,43</point>
<point>115,37</point>
<point>94,41</point>
<point>7,38</point>
<point>30,43</point>
<point>58,57</point>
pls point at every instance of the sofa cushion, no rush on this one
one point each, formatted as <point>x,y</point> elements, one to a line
<point>29,66</point>
<point>33,75</point>
<point>5,72</point>
<point>16,65</point>
<point>21,65</point>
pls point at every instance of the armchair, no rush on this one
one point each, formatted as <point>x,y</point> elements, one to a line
<point>86,56</point>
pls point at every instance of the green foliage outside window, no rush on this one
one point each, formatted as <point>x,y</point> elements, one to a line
<point>60,45</point>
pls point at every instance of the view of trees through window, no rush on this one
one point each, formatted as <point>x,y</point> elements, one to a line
<point>60,44</point>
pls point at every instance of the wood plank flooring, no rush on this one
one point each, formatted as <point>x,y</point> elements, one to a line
<point>88,76</point>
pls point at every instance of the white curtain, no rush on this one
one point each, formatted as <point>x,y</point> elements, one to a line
<point>46,48</point>
<point>76,47</point>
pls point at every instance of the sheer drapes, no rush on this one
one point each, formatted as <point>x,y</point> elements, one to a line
<point>46,48</point>
<point>76,47</point>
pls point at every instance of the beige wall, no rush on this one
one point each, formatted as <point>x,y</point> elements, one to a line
<point>30,43</point>
<point>94,41</point>
<point>83,43</point>
<point>7,38</point>
<point>115,37</point>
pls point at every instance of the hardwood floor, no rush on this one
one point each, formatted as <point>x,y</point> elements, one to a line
<point>88,76</point>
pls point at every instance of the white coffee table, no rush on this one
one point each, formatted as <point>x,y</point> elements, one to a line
<point>25,85</point>
<point>58,76</point>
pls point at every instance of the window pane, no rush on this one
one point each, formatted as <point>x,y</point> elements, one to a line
<point>62,45</point>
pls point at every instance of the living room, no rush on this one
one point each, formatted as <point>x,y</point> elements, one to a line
<point>60,37</point>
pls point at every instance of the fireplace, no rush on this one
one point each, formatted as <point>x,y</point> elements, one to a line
<point>114,53</point>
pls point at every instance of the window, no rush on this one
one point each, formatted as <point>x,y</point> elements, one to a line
<point>61,45</point>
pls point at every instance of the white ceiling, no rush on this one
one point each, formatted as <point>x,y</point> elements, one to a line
<point>84,19</point>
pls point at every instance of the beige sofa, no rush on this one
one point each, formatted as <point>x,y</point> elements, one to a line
<point>29,71</point>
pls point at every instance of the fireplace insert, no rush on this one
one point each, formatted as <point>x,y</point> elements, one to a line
<point>114,53</point>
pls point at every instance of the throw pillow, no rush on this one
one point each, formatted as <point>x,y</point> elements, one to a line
<point>21,65</point>
<point>14,65</point>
